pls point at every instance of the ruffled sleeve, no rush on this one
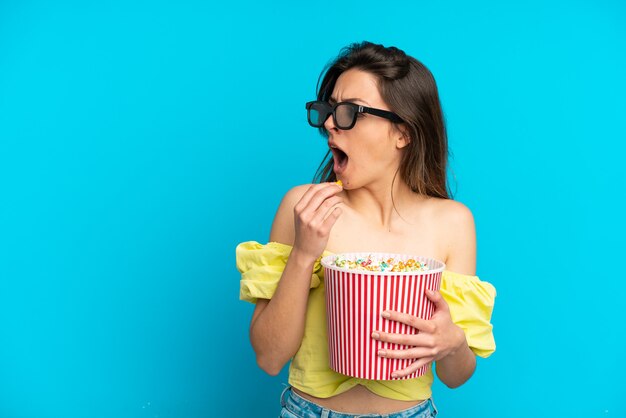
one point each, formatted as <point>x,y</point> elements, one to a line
<point>471,304</point>
<point>261,267</point>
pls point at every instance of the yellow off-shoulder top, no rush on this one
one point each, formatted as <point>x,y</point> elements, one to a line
<point>470,300</point>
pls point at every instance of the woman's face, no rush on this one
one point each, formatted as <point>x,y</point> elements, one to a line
<point>371,150</point>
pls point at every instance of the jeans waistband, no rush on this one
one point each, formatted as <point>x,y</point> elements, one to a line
<point>304,408</point>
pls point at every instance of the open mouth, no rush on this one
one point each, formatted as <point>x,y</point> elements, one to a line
<point>340,159</point>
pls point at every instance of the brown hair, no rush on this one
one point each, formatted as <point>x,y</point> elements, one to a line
<point>410,91</point>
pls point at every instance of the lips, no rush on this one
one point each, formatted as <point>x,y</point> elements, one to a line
<point>340,158</point>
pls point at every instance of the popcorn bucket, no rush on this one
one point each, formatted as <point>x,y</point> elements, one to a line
<point>355,300</point>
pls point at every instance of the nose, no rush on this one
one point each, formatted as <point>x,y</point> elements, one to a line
<point>329,124</point>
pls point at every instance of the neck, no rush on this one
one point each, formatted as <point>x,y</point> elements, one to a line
<point>375,201</point>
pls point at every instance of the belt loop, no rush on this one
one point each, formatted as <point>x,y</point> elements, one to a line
<point>433,405</point>
<point>325,413</point>
<point>282,395</point>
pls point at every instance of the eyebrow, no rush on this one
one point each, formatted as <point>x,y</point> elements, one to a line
<point>352,99</point>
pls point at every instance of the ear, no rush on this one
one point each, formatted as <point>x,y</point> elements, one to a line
<point>403,138</point>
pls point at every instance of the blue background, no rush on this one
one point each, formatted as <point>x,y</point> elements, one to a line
<point>139,143</point>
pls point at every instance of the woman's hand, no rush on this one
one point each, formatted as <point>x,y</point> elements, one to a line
<point>314,216</point>
<point>437,337</point>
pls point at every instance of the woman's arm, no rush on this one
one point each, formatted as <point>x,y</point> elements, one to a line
<point>304,220</point>
<point>439,338</point>
<point>459,365</point>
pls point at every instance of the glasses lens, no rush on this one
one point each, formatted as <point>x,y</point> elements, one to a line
<point>344,115</point>
<point>318,113</point>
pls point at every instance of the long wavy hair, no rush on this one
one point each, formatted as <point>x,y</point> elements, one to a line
<point>410,91</point>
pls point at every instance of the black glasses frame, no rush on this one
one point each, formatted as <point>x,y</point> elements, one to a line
<point>357,109</point>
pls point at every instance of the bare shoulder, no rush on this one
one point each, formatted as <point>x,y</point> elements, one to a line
<point>459,231</point>
<point>455,213</point>
<point>283,227</point>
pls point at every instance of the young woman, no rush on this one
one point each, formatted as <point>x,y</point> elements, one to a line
<point>379,110</point>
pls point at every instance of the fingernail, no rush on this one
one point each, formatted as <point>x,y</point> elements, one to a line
<point>394,375</point>
<point>382,353</point>
<point>375,335</point>
<point>386,314</point>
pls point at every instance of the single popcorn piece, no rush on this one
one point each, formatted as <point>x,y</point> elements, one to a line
<point>371,263</point>
<point>340,261</point>
<point>339,183</point>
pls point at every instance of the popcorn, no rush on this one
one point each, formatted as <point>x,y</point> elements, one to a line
<point>371,263</point>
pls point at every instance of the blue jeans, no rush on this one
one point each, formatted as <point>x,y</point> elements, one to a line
<point>295,406</point>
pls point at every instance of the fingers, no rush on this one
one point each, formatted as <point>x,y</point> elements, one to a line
<point>398,374</point>
<point>410,353</point>
<point>315,219</point>
<point>330,220</point>
<point>436,298</point>
<point>422,349</point>
<point>414,321</point>
<point>414,340</point>
<point>314,216</point>
<point>317,209</point>
<point>315,195</point>
<point>326,207</point>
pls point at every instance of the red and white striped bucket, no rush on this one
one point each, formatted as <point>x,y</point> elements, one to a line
<point>355,300</point>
